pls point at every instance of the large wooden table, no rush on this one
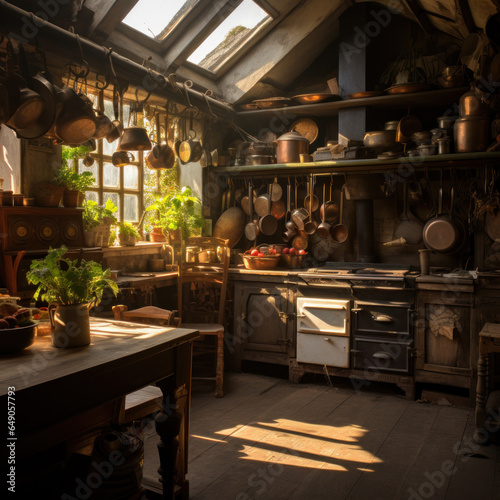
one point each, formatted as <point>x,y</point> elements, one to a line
<point>64,396</point>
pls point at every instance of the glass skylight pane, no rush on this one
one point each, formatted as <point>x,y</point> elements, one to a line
<point>229,36</point>
<point>155,18</point>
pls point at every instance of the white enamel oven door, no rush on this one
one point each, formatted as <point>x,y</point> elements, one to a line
<point>323,331</point>
<point>323,316</point>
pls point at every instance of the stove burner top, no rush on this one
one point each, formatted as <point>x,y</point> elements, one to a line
<point>351,269</point>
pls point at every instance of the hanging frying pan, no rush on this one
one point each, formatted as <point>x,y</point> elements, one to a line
<point>444,233</point>
<point>36,109</point>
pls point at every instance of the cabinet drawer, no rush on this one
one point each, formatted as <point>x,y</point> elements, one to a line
<point>331,350</point>
<point>381,355</point>
<point>375,317</point>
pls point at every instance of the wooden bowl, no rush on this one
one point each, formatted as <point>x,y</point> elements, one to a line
<point>17,339</point>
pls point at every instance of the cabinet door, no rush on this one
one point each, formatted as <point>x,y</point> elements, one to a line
<point>442,332</point>
<point>263,318</point>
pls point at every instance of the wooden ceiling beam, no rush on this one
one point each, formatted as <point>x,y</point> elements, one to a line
<point>114,13</point>
<point>464,9</point>
<point>414,7</point>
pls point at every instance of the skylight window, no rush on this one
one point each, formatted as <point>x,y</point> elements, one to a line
<point>156,18</point>
<point>230,36</point>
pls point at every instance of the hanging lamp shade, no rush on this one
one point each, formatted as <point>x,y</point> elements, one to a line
<point>134,139</point>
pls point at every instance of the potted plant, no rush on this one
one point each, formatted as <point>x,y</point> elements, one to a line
<point>127,234</point>
<point>72,288</point>
<point>97,220</point>
<point>76,184</point>
<point>178,214</point>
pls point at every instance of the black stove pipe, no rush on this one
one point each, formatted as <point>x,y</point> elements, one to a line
<point>365,230</point>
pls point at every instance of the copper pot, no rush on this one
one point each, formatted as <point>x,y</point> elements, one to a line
<point>290,146</point>
<point>472,134</point>
<point>75,122</point>
<point>160,157</point>
<point>122,158</point>
<point>134,139</point>
<point>470,104</point>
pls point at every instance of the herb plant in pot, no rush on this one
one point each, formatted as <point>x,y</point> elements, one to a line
<point>178,214</point>
<point>127,234</point>
<point>72,288</point>
<point>98,220</point>
<point>76,184</point>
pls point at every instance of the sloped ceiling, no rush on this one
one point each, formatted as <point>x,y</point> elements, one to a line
<point>301,30</point>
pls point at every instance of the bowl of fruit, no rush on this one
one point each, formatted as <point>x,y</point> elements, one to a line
<point>17,331</point>
<point>261,258</point>
<point>291,257</point>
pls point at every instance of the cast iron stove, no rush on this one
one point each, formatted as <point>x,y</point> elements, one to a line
<point>357,274</point>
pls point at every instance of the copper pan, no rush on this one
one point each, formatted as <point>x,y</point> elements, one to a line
<point>268,224</point>
<point>251,229</point>
<point>75,122</point>
<point>340,233</point>
<point>407,126</point>
<point>329,211</point>
<point>36,107</point>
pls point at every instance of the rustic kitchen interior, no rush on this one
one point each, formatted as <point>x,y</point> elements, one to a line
<point>250,248</point>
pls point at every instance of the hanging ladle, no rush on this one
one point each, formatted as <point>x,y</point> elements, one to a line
<point>311,225</point>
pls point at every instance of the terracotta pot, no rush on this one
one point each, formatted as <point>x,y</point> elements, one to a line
<point>73,198</point>
<point>49,195</point>
<point>70,325</point>
<point>157,235</point>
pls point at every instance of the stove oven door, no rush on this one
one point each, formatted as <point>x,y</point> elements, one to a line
<point>323,331</point>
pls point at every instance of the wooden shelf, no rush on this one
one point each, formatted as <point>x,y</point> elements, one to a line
<point>429,98</point>
<point>403,164</point>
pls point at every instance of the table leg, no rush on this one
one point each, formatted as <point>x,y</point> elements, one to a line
<point>219,375</point>
<point>481,397</point>
<point>168,424</point>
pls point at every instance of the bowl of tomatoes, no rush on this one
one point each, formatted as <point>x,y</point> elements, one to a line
<point>291,257</point>
<point>261,258</point>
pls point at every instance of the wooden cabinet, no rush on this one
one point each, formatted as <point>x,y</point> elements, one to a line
<point>263,323</point>
<point>445,345</point>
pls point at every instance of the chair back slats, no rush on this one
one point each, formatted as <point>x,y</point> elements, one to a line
<point>202,285</point>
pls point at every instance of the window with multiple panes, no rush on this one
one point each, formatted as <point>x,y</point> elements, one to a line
<point>131,187</point>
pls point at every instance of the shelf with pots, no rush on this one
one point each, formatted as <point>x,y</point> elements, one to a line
<point>465,160</point>
<point>416,99</point>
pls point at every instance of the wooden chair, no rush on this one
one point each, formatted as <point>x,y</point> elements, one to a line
<point>145,401</point>
<point>487,399</point>
<point>149,314</point>
<point>202,287</point>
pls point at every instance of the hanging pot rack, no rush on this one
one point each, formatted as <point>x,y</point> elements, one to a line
<point>63,43</point>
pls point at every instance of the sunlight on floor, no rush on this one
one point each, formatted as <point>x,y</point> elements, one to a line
<point>302,444</point>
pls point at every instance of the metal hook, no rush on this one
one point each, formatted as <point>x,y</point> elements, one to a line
<point>172,79</point>
<point>140,104</point>
<point>101,85</point>
<point>85,64</point>
<point>187,85</point>
<point>212,114</point>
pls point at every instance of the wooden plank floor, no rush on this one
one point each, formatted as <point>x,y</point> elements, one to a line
<point>270,439</point>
